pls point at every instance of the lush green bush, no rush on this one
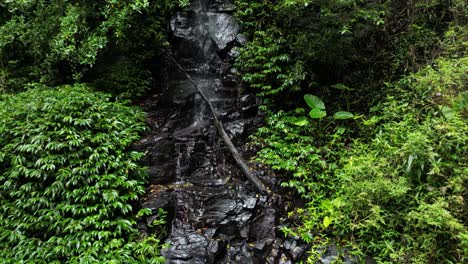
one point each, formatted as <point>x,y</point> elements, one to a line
<point>388,182</point>
<point>297,44</point>
<point>125,78</point>
<point>68,181</point>
<point>52,40</point>
<point>61,41</point>
<point>398,192</point>
<point>404,190</point>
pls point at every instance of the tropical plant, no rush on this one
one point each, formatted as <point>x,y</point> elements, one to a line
<point>61,41</point>
<point>388,180</point>
<point>69,182</point>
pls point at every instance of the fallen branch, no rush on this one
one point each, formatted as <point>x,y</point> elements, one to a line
<point>219,126</point>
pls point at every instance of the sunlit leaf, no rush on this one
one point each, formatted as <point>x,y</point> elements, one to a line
<point>327,221</point>
<point>314,102</point>
<point>317,113</point>
<point>341,115</point>
<point>301,121</point>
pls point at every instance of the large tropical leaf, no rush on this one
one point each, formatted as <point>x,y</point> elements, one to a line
<point>343,115</point>
<point>314,102</point>
<point>317,113</point>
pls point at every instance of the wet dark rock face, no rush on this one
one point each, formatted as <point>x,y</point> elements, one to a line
<point>216,215</point>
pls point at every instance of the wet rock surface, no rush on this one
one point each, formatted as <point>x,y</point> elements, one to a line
<point>215,213</point>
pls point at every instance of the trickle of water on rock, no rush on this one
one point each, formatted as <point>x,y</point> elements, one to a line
<point>216,215</point>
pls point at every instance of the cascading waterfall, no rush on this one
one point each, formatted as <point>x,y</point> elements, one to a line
<point>216,215</point>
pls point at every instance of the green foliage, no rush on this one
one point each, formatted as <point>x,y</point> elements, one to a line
<point>398,192</point>
<point>125,77</point>
<point>405,188</point>
<point>303,148</point>
<point>69,182</point>
<point>184,3</point>
<point>314,102</point>
<point>267,66</point>
<point>388,183</point>
<point>318,109</point>
<point>297,44</point>
<point>342,115</point>
<point>57,42</point>
<point>49,33</point>
<point>293,42</point>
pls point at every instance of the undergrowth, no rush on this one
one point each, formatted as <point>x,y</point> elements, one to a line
<point>397,192</point>
<point>69,183</point>
<point>379,156</point>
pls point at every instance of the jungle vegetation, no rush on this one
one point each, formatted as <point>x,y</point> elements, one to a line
<point>69,181</point>
<point>366,106</point>
<point>366,120</point>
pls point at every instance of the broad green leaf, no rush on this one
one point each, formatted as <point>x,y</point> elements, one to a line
<point>314,102</point>
<point>343,115</point>
<point>327,221</point>
<point>301,121</point>
<point>448,112</point>
<point>317,113</point>
<point>340,131</point>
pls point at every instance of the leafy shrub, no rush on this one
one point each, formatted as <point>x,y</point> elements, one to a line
<point>398,192</point>
<point>297,44</point>
<point>60,41</point>
<point>127,78</point>
<point>57,39</point>
<point>68,181</point>
<point>305,147</point>
<point>391,186</point>
<point>267,66</point>
<point>405,188</point>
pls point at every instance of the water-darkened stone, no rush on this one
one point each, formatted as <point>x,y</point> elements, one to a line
<point>224,29</point>
<point>215,214</point>
<point>333,253</point>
